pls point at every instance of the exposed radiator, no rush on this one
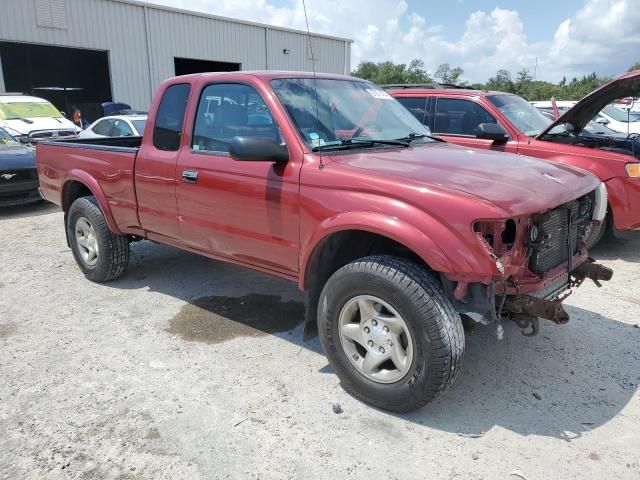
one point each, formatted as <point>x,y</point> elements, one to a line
<point>554,228</point>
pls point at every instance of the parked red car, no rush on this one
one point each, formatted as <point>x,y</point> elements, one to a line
<point>331,183</point>
<point>507,123</point>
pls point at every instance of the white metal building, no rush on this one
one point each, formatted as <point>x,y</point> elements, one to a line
<point>88,51</point>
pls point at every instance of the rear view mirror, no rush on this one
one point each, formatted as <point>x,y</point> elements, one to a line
<point>492,131</point>
<point>258,149</point>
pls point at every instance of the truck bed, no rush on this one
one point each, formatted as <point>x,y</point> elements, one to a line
<point>104,165</point>
<point>106,143</point>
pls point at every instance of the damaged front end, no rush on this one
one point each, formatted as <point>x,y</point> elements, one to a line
<point>539,260</point>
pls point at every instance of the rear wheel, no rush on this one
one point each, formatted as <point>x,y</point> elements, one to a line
<point>390,332</point>
<point>100,254</point>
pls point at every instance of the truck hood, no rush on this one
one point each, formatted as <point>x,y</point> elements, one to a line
<point>517,184</point>
<point>15,157</point>
<point>581,113</point>
<point>38,123</point>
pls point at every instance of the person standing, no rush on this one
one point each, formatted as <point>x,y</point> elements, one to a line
<point>78,120</point>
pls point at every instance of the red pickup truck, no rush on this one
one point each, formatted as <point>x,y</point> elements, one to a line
<point>508,123</point>
<point>329,182</point>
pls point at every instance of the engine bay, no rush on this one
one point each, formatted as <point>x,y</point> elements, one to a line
<point>623,144</point>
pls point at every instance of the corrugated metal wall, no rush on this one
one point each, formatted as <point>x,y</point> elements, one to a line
<point>142,41</point>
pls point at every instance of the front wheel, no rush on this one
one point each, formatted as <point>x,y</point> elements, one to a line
<point>100,254</point>
<point>390,332</point>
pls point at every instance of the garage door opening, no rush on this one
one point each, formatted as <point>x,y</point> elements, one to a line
<point>185,66</point>
<point>67,77</point>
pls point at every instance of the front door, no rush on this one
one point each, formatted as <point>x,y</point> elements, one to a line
<point>456,120</point>
<point>245,211</point>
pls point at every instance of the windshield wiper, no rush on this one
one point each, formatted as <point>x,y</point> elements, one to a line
<point>358,143</point>
<point>25,120</point>
<point>417,136</point>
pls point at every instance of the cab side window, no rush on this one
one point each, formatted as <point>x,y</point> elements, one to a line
<point>460,117</point>
<point>417,107</point>
<point>167,130</point>
<point>228,110</point>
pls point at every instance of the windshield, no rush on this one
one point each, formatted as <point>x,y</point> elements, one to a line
<point>619,115</point>
<point>597,129</point>
<point>524,116</point>
<point>344,110</point>
<point>5,138</point>
<point>139,125</point>
<point>10,111</point>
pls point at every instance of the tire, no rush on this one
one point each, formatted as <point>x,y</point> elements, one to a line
<point>86,223</point>
<point>433,340</point>
<point>597,234</point>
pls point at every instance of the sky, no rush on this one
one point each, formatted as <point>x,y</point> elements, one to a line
<point>564,37</point>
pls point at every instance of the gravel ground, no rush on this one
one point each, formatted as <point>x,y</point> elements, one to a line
<point>188,368</point>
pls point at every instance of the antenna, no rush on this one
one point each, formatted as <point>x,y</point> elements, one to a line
<point>315,80</point>
<point>535,76</point>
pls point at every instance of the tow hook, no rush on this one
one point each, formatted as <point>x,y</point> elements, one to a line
<point>594,271</point>
<point>537,307</point>
<point>526,311</point>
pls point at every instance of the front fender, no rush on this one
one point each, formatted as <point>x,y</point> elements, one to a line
<point>428,242</point>
<point>92,184</point>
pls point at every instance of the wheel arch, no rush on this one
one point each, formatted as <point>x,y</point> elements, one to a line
<point>369,225</point>
<point>352,236</point>
<point>80,184</point>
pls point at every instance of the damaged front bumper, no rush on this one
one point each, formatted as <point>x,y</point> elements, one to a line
<point>526,310</point>
<point>523,302</point>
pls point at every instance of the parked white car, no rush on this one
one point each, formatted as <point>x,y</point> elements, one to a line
<point>29,119</point>
<point>628,103</point>
<point>618,120</point>
<point>562,105</point>
<point>116,126</point>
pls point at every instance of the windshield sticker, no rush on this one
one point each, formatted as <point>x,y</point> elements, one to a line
<point>379,94</point>
<point>316,141</point>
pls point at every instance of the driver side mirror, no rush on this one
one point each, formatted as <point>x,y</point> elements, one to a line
<point>602,120</point>
<point>258,149</point>
<point>492,131</point>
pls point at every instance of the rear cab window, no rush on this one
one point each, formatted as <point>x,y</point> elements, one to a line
<point>167,129</point>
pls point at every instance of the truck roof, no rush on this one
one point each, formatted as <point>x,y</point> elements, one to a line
<point>266,74</point>
<point>463,92</point>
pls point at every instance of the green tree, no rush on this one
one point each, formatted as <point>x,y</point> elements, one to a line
<point>388,72</point>
<point>417,73</point>
<point>635,66</point>
<point>523,82</point>
<point>449,75</point>
<point>501,82</point>
<point>367,71</point>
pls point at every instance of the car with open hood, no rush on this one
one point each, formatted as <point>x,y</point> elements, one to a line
<point>507,123</point>
<point>327,181</point>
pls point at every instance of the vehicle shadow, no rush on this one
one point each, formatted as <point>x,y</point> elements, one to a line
<point>564,382</point>
<point>224,301</point>
<point>28,210</point>
<point>614,249</point>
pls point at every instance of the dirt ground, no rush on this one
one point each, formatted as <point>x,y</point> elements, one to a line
<point>188,368</point>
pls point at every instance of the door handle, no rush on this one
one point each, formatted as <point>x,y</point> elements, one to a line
<point>190,176</point>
